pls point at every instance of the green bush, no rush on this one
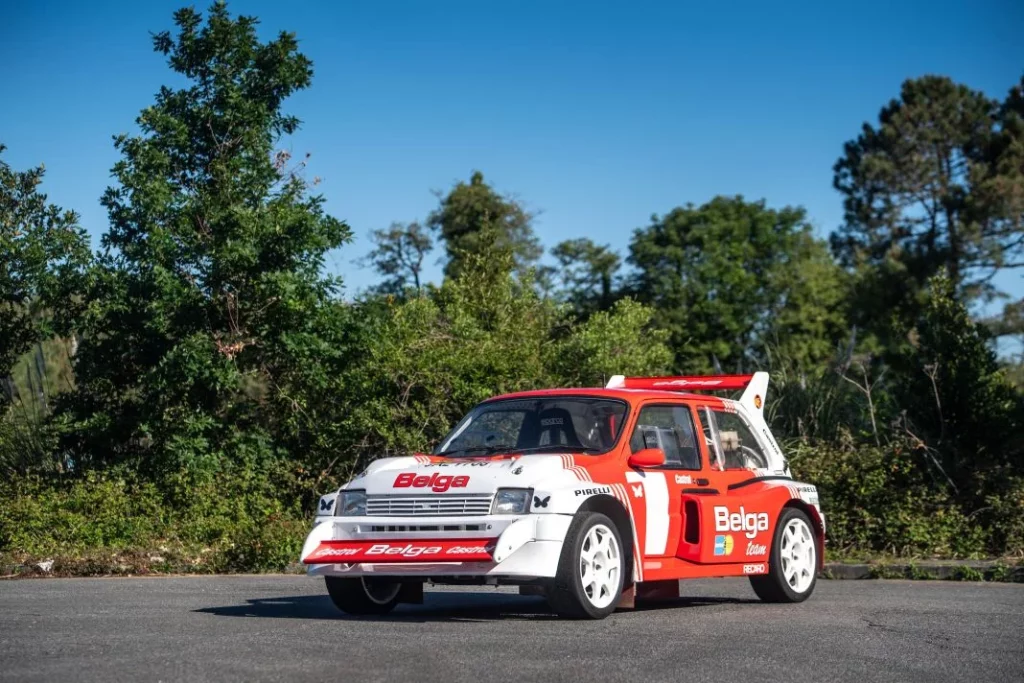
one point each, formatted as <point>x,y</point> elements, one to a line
<point>882,500</point>
<point>236,519</point>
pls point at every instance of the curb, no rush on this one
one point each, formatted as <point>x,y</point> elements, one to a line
<point>951,570</point>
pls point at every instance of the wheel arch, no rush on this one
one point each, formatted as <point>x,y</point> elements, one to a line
<point>816,521</point>
<point>615,511</point>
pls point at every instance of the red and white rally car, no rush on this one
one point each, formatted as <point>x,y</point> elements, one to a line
<point>592,497</point>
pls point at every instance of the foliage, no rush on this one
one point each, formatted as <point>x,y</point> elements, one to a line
<point>43,253</point>
<point>473,219</point>
<point>937,184</point>
<point>882,499</point>
<point>429,358</point>
<point>398,256</point>
<point>957,399</point>
<point>730,277</point>
<point>211,273</point>
<point>587,274</point>
<point>236,519</point>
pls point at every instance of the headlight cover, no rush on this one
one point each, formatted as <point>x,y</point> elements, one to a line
<point>512,502</point>
<point>351,504</point>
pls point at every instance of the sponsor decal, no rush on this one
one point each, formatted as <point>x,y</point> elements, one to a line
<point>750,523</point>
<point>688,383</point>
<point>684,479</point>
<point>724,545</point>
<point>549,421</point>
<point>638,491</point>
<point>757,401</point>
<point>468,463</point>
<point>760,568</point>
<point>438,483</point>
<point>456,550</point>
<point>538,502</point>
<point>326,504</point>
<point>593,492</point>
<point>518,470</point>
<point>756,549</point>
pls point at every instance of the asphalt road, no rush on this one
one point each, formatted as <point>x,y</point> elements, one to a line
<point>255,628</point>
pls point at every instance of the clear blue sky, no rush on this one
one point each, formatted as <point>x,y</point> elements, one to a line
<point>596,115</point>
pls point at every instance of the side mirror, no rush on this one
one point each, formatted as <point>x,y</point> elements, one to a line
<point>648,457</point>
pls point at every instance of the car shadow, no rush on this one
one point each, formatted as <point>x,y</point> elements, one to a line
<point>437,606</point>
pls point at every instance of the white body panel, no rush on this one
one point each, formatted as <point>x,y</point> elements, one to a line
<point>528,546</point>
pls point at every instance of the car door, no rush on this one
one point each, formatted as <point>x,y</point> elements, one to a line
<point>669,426</point>
<point>727,528</point>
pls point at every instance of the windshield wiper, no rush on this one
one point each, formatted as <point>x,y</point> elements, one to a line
<point>486,450</point>
<point>561,447</point>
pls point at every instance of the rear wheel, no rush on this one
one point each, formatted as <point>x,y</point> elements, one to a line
<point>590,570</point>
<point>363,595</point>
<point>793,562</point>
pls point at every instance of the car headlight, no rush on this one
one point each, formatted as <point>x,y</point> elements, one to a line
<point>351,504</point>
<point>512,502</point>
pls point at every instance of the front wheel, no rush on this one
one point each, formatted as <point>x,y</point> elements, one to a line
<point>590,570</point>
<point>363,596</point>
<point>793,561</point>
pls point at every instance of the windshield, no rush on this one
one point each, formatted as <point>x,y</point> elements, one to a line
<point>565,424</point>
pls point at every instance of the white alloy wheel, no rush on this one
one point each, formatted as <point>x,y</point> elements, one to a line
<point>798,555</point>
<point>600,566</point>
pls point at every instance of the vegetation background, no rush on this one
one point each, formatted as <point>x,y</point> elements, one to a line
<point>177,400</point>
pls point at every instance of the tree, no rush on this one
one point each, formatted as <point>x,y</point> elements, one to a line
<point>957,400</point>
<point>588,274</point>
<point>935,185</point>
<point>43,256</point>
<point>398,256</point>
<point>731,277</point>
<point>209,291</point>
<point>474,219</point>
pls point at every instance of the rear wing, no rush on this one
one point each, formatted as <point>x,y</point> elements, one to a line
<point>754,386</point>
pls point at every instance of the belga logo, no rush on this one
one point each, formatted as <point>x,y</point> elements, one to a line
<point>748,522</point>
<point>439,483</point>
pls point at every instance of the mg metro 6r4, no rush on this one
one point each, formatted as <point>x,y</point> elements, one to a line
<point>591,497</point>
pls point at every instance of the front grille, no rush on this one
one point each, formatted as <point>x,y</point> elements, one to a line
<point>428,506</point>
<point>420,528</point>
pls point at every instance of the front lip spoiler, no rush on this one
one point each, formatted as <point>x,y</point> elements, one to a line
<point>392,550</point>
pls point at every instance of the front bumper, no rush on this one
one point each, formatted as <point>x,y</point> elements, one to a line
<point>509,546</point>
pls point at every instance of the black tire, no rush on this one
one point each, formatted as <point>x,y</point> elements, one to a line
<point>774,586</point>
<point>362,596</point>
<point>567,595</point>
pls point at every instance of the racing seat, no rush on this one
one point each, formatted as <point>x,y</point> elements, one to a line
<point>556,429</point>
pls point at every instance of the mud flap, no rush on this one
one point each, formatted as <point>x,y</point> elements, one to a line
<point>411,592</point>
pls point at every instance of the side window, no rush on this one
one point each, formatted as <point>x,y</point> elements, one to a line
<point>707,418</point>
<point>670,428</point>
<point>740,449</point>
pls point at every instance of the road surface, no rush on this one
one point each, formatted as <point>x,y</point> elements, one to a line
<point>270,628</point>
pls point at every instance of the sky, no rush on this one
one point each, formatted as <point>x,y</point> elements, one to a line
<point>595,115</point>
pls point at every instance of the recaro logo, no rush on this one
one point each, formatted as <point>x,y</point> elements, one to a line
<point>438,483</point>
<point>748,522</point>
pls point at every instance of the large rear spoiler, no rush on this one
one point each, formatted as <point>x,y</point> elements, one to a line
<point>754,386</point>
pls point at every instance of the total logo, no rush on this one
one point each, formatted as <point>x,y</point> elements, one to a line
<point>750,523</point>
<point>724,545</point>
<point>438,483</point>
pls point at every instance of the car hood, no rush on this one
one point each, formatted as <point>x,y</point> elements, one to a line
<point>422,475</point>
